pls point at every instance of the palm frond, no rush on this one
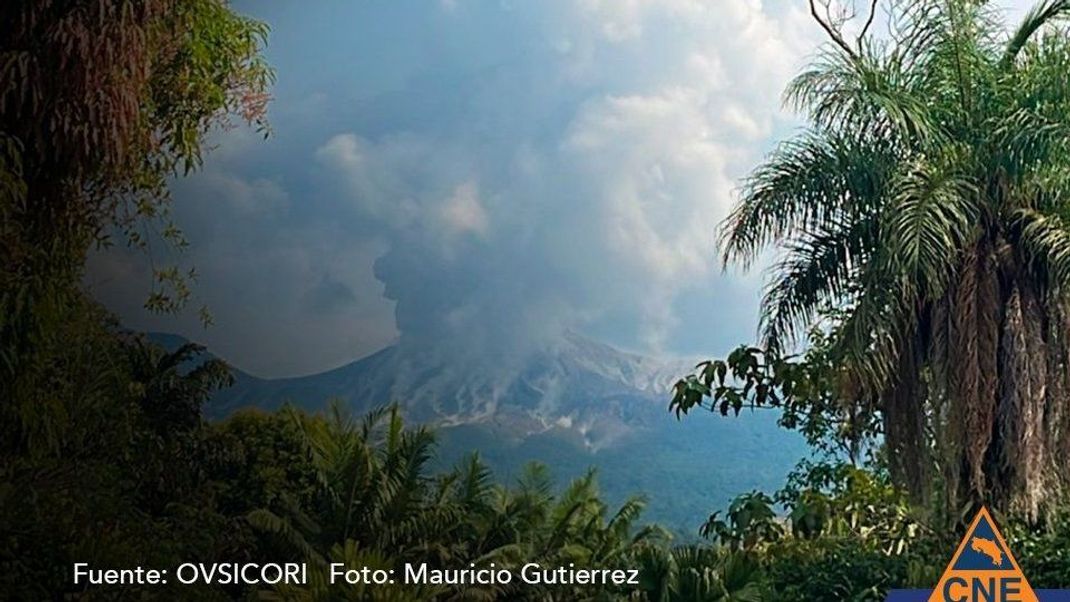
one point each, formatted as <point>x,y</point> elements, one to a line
<point>1042,13</point>
<point>805,183</point>
<point>932,214</point>
<point>1046,240</point>
<point>815,273</point>
<point>268,522</point>
<point>869,340</point>
<point>869,93</point>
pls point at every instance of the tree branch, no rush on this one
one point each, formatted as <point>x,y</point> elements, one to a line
<point>869,22</point>
<point>833,34</point>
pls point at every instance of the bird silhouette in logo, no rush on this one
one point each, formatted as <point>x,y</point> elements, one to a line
<point>988,548</point>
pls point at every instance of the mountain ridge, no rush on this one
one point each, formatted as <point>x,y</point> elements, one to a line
<point>575,383</point>
<point>572,404</point>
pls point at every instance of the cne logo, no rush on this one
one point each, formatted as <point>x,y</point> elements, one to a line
<point>983,569</point>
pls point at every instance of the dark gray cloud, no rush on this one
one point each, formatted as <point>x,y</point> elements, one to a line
<point>329,296</point>
<point>482,175</point>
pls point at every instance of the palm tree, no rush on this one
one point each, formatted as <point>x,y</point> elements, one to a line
<point>927,197</point>
<point>698,574</point>
<point>379,506</point>
<point>375,489</point>
<point>172,386</point>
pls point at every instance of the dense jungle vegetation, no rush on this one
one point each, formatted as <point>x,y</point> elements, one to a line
<point>924,264</point>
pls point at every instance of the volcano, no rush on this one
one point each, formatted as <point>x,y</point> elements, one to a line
<point>572,404</point>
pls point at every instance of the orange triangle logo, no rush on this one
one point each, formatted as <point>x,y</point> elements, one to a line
<point>983,569</point>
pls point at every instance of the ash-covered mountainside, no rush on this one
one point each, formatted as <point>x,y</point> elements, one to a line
<point>573,384</point>
<point>572,404</point>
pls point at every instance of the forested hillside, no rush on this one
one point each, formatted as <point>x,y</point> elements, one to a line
<point>576,405</point>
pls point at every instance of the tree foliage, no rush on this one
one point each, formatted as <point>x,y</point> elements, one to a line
<point>377,500</point>
<point>100,103</point>
<point>816,395</point>
<point>926,202</point>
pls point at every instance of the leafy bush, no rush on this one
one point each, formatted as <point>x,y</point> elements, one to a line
<point>832,568</point>
<point>1043,552</point>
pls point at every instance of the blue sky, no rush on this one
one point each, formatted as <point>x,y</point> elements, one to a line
<point>482,174</point>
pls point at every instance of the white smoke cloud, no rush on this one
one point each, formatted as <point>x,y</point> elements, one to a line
<point>499,172</point>
<point>463,212</point>
<point>604,162</point>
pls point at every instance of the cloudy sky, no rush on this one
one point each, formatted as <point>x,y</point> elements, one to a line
<point>482,173</point>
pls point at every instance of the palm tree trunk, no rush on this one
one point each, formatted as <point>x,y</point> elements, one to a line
<point>1021,459</point>
<point>974,350</point>
<point>905,419</point>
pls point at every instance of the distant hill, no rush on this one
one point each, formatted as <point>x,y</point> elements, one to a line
<point>573,404</point>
